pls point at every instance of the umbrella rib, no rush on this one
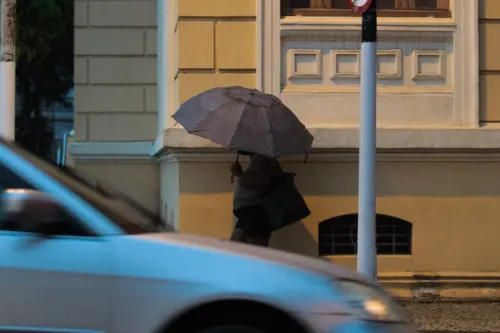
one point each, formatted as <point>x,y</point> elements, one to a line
<point>270,132</point>
<point>231,138</point>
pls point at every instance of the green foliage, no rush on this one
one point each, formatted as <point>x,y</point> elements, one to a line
<point>38,24</point>
<point>44,71</point>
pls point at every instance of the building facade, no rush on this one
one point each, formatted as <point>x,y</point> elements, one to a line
<point>438,74</point>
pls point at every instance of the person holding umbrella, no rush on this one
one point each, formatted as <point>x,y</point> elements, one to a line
<point>261,126</point>
<point>253,225</point>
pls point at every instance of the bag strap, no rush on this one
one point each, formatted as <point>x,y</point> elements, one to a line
<point>237,158</point>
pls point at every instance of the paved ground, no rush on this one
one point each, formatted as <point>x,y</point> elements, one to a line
<point>456,317</point>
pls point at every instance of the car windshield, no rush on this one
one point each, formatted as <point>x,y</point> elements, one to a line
<point>127,214</point>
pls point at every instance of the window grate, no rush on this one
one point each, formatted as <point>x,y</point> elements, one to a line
<point>338,236</point>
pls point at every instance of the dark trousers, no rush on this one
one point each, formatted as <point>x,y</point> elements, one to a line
<point>252,227</point>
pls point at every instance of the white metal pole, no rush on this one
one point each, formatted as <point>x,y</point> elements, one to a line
<point>367,250</point>
<point>7,69</point>
<point>7,99</point>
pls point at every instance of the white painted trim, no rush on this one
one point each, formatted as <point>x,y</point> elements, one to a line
<point>166,67</point>
<point>111,151</point>
<point>260,48</point>
<point>166,60</point>
<point>466,14</point>
<point>268,46</point>
<point>275,34</point>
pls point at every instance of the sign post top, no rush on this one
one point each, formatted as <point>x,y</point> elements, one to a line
<point>359,6</point>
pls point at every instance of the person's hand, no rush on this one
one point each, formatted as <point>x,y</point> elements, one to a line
<point>236,169</point>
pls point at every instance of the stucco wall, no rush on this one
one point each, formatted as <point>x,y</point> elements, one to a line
<point>115,92</point>
<point>115,70</point>
<point>216,45</point>
<point>454,209</point>
<point>138,179</point>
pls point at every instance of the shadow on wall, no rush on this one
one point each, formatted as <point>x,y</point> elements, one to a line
<point>295,238</point>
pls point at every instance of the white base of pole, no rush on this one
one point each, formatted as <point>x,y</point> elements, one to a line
<point>367,249</point>
<point>7,99</point>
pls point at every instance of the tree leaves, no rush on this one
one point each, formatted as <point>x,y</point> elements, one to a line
<point>39,24</point>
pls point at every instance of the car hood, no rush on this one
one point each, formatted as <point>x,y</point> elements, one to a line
<point>280,257</point>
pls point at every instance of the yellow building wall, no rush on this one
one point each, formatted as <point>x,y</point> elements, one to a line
<point>454,208</point>
<point>489,30</point>
<point>216,47</point>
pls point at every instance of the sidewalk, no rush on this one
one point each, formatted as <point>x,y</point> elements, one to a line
<point>448,316</point>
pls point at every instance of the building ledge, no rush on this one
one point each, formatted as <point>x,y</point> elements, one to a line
<point>330,144</point>
<point>111,151</point>
<point>328,138</point>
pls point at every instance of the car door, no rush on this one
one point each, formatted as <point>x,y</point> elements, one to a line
<point>60,283</point>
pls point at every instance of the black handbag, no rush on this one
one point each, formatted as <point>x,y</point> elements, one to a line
<point>283,202</point>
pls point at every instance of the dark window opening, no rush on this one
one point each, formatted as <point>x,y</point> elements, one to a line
<point>338,235</point>
<point>405,8</point>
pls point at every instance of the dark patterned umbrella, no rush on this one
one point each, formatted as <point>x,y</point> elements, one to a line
<point>245,119</point>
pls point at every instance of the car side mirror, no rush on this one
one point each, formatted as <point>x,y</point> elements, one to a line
<point>31,211</point>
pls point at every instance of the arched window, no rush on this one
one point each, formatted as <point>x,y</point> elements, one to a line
<point>338,235</point>
<point>416,8</point>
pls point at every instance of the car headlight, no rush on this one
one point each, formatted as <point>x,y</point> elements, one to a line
<point>370,302</point>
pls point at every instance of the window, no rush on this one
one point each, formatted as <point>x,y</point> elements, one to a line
<point>338,235</point>
<point>9,180</point>
<point>66,225</point>
<point>406,8</point>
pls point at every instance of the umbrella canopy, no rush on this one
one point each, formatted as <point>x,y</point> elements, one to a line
<point>245,119</point>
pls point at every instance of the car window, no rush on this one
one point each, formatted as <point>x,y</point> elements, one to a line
<point>65,225</point>
<point>124,212</point>
<point>10,180</point>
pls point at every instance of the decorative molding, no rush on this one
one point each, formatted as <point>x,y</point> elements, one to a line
<point>294,62</point>
<point>325,23</point>
<point>167,41</point>
<point>397,71</point>
<point>466,62</point>
<point>353,35</point>
<point>404,90</point>
<point>439,56</point>
<point>268,54</point>
<point>111,151</point>
<point>337,71</point>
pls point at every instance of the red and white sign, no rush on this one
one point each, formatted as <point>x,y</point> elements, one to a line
<point>359,6</point>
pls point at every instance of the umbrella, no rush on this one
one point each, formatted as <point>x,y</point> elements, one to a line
<point>245,119</point>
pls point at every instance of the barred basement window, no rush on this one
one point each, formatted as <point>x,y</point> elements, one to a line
<point>338,235</point>
<point>405,8</point>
